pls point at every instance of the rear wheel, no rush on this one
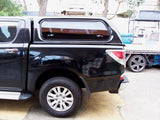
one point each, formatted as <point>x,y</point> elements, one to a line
<point>136,63</point>
<point>60,96</point>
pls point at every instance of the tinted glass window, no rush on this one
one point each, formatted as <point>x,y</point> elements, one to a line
<point>8,31</point>
<point>74,30</point>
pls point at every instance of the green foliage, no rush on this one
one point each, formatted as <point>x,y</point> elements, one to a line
<point>8,8</point>
<point>126,14</point>
<point>139,2</point>
<point>132,4</point>
<point>136,3</point>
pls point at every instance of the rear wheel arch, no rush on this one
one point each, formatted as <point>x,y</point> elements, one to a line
<point>80,81</point>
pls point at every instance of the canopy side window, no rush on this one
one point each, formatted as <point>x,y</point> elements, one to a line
<point>74,30</point>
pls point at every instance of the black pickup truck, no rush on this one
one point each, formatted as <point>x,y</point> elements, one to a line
<point>58,57</point>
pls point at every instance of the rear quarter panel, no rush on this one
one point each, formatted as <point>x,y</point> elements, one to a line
<point>91,62</point>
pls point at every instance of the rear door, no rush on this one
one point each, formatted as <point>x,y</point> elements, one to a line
<point>11,54</point>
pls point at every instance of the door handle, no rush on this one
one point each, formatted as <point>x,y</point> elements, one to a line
<point>11,50</point>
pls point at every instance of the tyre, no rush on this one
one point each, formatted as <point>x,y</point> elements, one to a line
<point>60,96</point>
<point>136,63</point>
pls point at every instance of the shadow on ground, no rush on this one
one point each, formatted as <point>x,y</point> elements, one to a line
<point>101,106</point>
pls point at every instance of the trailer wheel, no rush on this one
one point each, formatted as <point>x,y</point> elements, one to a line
<point>136,63</point>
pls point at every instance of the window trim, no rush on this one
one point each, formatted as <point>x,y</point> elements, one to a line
<point>74,41</point>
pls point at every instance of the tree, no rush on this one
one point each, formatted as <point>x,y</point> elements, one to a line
<point>42,7</point>
<point>105,12</point>
<point>158,4</point>
<point>25,5</point>
<point>119,3</point>
<point>8,8</point>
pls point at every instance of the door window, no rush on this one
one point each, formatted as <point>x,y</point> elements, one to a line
<point>8,31</point>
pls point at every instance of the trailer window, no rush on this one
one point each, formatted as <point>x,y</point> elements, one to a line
<point>7,31</point>
<point>74,30</point>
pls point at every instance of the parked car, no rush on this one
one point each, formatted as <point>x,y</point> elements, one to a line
<point>58,57</point>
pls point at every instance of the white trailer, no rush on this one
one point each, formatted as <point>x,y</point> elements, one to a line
<point>146,41</point>
<point>139,56</point>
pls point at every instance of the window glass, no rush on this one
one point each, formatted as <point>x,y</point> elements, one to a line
<point>8,31</point>
<point>74,30</point>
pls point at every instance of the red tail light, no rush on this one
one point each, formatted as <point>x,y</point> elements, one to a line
<point>122,77</point>
<point>117,55</point>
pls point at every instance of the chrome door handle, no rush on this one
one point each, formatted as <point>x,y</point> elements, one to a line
<point>11,50</point>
